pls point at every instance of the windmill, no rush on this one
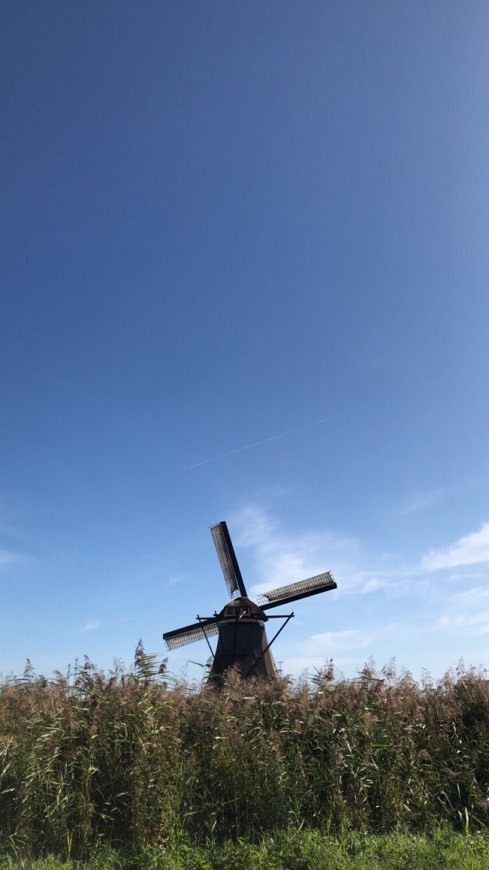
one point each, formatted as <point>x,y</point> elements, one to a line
<point>240,625</point>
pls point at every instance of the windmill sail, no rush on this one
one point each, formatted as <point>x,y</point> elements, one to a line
<point>227,559</point>
<point>295,591</point>
<point>190,633</point>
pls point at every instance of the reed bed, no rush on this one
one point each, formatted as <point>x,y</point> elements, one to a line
<point>134,761</point>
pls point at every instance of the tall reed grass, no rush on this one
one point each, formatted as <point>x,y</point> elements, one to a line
<point>130,760</point>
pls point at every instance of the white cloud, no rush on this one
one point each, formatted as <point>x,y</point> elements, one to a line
<point>330,642</point>
<point>92,624</point>
<point>8,558</point>
<point>471,597</point>
<point>384,605</point>
<point>298,664</point>
<point>282,559</point>
<point>345,647</point>
<point>421,500</point>
<point>470,550</point>
<point>376,584</point>
<point>478,623</point>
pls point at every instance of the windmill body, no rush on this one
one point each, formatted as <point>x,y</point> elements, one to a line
<point>240,625</point>
<point>243,642</point>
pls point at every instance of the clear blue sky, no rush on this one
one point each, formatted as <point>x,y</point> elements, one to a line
<point>244,225</point>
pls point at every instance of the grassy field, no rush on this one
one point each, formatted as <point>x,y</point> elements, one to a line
<point>294,851</point>
<point>132,763</point>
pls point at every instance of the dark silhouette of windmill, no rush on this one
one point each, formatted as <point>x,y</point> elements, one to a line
<point>240,625</point>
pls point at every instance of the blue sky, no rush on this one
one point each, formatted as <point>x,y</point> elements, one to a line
<point>244,275</point>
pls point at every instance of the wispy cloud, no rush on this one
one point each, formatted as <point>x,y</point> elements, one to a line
<point>421,500</point>
<point>298,665</point>
<point>471,597</point>
<point>477,623</point>
<point>378,584</point>
<point>472,549</point>
<point>92,624</point>
<point>466,610</point>
<point>8,559</point>
<point>331,642</point>
<point>384,601</point>
<point>280,558</point>
<point>347,647</point>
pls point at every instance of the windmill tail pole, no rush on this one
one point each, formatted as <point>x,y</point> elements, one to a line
<point>205,634</point>
<point>248,672</point>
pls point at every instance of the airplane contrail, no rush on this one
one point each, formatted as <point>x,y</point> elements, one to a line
<point>289,432</point>
<point>272,438</point>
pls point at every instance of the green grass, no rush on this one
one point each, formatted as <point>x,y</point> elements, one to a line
<point>305,850</point>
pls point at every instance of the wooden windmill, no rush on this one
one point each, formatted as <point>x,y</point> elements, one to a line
<point>240,625</point>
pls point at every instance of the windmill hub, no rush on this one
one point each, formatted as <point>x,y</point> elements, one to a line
<point>242,641</point>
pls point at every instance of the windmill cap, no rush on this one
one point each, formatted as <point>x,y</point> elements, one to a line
<point>242,608</point>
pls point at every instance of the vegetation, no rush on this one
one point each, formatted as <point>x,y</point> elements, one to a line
<point>303,850</point>
<point>135,763</point>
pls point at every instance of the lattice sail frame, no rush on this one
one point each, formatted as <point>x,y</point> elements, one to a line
<point>227,558</point>
<point>318,583</point>
<point>199,631</point>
